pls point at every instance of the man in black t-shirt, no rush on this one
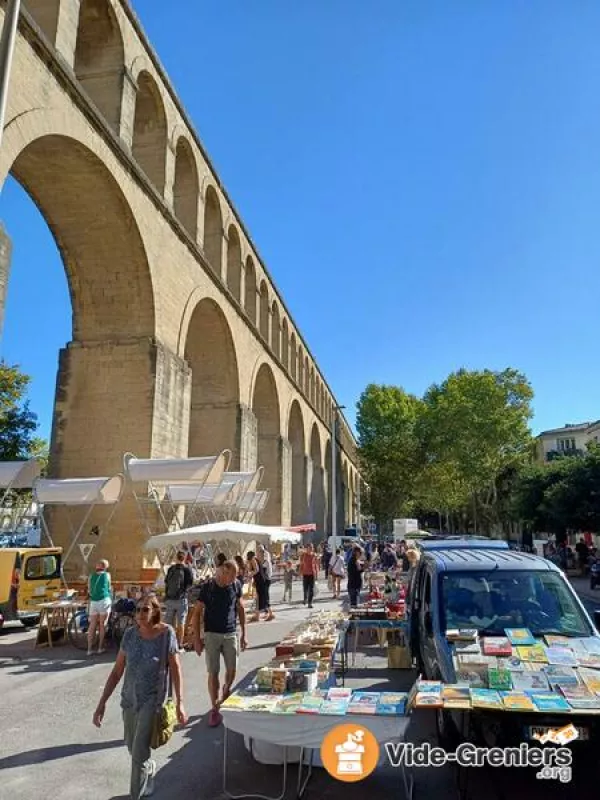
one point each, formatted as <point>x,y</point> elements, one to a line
<point>217,610</point>
<point>177,582</point>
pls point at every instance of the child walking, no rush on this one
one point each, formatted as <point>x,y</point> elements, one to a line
<point>288,578</point>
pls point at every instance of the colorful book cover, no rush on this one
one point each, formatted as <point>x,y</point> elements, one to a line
<point>311,704</point>
<point>554,640</point>
<point>429,694</point>
<point>528,681</point>
<point>261,702</point>
<point>485,698</point>
<point>579,697</point>
<point>592,645</point>
<point>588,660</point>
<point>456,696</point>
<point>499,678</point>
<point>497,646</point>
<point>339,693</point>
<point>363,703</point>
<point>288,704</point>
<point>519,636</point>
<point>516,701</point>
<point>549,701</point>
<point>561,656</point>
<point>534,652</point>
<point>591,679</point>
<point>477,658</point>
<point>472,648</point>
<point>335,707</point>
<point>392,703</point>
<point>565,675</point>
<point>235,702</point>
<point>462,634</point>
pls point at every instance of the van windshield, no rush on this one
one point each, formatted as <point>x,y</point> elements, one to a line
<point>494,600</point>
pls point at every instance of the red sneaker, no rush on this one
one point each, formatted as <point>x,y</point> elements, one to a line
<point>214,718</point>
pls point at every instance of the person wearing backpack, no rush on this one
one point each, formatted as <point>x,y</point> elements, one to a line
<point>178,581</point>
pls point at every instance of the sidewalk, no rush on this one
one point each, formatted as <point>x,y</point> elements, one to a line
<point>582,587</point>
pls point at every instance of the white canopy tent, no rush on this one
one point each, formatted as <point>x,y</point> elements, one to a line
<point>85,493</point>
<point>151,477</point>
<point>16,503</point>
<point>230,535</point>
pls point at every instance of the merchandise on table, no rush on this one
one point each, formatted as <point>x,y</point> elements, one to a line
<point>456,696</point>
<point>517,701</point>
<point>486,698</point>
<point>519,636</point>
<point>428,694</point>
<point>336,701</point>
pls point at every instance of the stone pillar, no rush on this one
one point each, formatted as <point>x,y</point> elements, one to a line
<point>112,398</point>
<point>309,467</point>
<point>247,437</point>
<point>58,21</point>
<point>269,456</point>
<point>128,109</point>
<point>286,482</point>
<point>168,193</point>
<point>5,256</point>
<point>224,242</point>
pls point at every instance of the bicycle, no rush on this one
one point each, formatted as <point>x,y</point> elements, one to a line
<point>116,625</point>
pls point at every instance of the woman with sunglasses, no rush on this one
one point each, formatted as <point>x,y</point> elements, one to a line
<point>143,647</point>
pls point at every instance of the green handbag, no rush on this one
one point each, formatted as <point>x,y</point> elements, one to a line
<point>165,717</point>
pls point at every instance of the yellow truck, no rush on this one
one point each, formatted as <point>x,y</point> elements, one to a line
<point>28,576</point>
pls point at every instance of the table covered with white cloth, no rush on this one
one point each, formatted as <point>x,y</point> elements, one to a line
<point>285,738</point>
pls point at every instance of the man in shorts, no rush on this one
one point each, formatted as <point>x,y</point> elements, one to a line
<point>178,581</point>
<point>215,631</point>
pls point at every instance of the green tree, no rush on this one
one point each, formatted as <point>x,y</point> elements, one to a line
<point>476,423</point>
<point>17,423</point>
<point>386,423</point>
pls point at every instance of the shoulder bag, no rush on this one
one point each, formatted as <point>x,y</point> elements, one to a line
<point>165,716</point>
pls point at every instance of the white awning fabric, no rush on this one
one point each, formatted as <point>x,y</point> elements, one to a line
<point>223,531</point>
<point>79,491</point>
<point>19,474</point>
<point>229,492</point>
<point>208,469</point>
<point>254,501</point>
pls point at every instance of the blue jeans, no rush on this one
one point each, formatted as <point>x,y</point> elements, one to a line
<point>354,593</point>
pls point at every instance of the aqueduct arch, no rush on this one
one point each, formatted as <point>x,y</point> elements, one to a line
<point>317,487</point>
<point>160,291</point>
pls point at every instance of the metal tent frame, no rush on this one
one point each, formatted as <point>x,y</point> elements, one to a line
<point>15,477</point>
<point>79,493</point>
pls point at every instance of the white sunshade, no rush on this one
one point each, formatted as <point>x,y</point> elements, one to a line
<point>19,474</point>
<point>208,469</point>
<point>254,501</point>
<point>223,531</point>
<point>79,491</point>
<point>232,488</point>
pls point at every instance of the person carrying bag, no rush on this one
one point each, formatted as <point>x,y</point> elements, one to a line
<point>338,571</point>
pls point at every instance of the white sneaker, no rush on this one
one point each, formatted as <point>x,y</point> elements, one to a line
<point>90,652</point>
<point>149,790</point>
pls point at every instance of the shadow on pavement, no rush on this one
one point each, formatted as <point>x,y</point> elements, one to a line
<point>45,754</point>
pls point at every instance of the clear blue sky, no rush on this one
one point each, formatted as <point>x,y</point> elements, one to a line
<point>421,178</point>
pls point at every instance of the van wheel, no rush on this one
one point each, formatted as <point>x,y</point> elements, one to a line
<point>30,622</point>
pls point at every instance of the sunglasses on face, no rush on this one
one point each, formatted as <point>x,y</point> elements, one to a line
<point>143,610</point>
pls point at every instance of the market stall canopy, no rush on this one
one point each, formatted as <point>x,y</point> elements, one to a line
<point>19,474</point>
<point>254,501</point>
<point>79,491</point>
<point>208,469</point>
<point>228,492</point>
<point>223,531</point>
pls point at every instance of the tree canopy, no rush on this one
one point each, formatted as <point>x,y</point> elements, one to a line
<point>18,424</point>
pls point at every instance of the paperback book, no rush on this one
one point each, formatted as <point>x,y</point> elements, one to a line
<point>485,698</point>
<point>311,704</point>
<point>554,640</point>
<point>528,681</point>
<point>456,696</point>
<point>591,679</point>
<point>580,697</point>
<point>561,656</point>
<point>497,646</point>
<point>429,694</point>
<point>392,703</point>
<point>519,636</point>
<point>499,678</point>
<point>549,701</point>
<point>517,701</point>
<point>335,707</point>
<point>289,704</point>
<point>534,652</point>
<point>363,703</point>
<point>564,675</point>
<point>461,634</point>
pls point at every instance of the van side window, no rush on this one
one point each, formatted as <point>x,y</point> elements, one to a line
<point>42,568</point>
<point>427,593</point>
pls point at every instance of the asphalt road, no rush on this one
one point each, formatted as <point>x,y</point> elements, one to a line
<point>49,748</point>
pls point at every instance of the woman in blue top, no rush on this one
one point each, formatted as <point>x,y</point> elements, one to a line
<point>144,648</point>
<point>100,594</point>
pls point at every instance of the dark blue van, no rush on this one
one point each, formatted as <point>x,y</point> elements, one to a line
<point>489,589</point>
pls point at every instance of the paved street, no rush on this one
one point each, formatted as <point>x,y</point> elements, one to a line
<point>47,739</point>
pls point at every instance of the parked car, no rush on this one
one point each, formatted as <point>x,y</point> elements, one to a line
<point>594,573</point>
<point>490,590</point>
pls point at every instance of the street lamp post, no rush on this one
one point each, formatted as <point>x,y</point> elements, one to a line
<point>334,478</point>
<point>7,47</point>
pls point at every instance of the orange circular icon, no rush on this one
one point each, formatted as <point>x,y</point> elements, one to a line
<point>350,753</point>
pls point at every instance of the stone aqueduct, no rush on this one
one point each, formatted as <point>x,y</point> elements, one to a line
<point>181,343</point>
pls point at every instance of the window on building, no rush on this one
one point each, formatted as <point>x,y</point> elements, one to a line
<point>564,445</point>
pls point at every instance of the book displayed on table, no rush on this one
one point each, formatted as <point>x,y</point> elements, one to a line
<point>429,694</point>
<point>456,696</point>
<point>519,636</point>
<point>549,701</point>
<point>517,701</point>
<point>497,646</point>
<point>363,703</point>
<point>485,698</point>
<point>533,652</point>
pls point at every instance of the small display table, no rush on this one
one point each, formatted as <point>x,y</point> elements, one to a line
<point>55,617</point>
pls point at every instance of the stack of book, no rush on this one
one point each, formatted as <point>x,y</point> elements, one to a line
<point>335,701</point>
